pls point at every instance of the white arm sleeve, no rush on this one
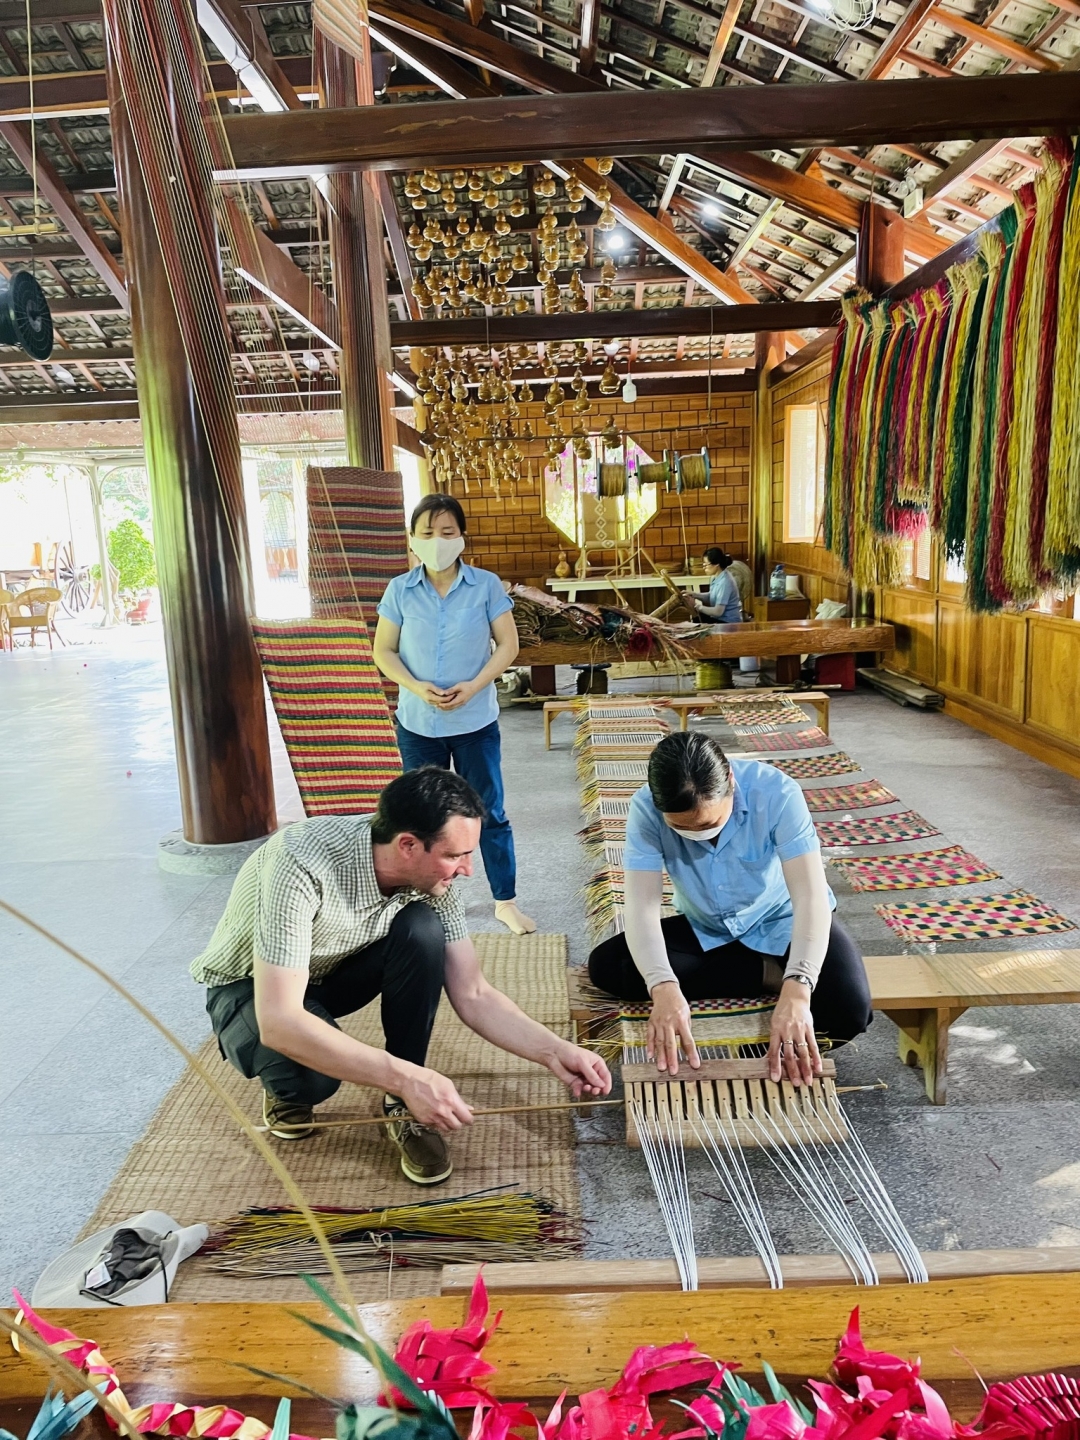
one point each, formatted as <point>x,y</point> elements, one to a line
<point>812,918</point>
<point>644,895</point>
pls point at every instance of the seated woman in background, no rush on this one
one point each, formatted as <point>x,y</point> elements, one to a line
<point>434,638</point>
<point>724,605</point>
<point>754,909</point>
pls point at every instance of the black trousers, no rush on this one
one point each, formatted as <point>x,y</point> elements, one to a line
<point>840,1003</point>
<point>406,968</point>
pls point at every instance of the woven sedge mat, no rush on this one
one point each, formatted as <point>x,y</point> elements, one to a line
<point>814,767</point>
<point>849,797</point>
<point>875,830</point>
<point>812,739</point>
<point>984,917</point>
<point>194,1164</point>
<point>921,870</point>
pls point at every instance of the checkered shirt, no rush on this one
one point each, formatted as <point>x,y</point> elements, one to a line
<point>306,899</point>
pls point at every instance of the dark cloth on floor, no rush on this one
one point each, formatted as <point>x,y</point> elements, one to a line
<point>406,968</point>
<point>477,758</point>
<point>840,1003</point>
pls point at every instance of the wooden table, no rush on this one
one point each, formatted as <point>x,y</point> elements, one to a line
<point>998,1326</point>
<point>783,640</point>
<point>687,705</point>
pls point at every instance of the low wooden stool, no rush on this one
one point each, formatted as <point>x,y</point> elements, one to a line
<point>924,994</point>
<point>688,705</point>
<point>551,709</point>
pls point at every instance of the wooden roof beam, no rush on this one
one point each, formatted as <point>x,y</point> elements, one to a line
<point>432,62</point>
<point>590,35</point>
<point>993,40</point>
<point>66,208</point>
<point>616,324</point>
<point>714,122</point>
<point>271,271</point>
<point>659,237</point>
<point>478,46</point>
<point>241,39</point>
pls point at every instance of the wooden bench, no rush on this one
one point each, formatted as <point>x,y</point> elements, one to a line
<point>924,994</point>
<point>686,705</point>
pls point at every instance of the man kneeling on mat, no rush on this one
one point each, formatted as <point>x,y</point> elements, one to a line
<point>330,913</point>
<point>738,843</point>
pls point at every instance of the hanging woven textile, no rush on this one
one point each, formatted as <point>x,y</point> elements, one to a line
<point>956,408</point>
<point>333,714</point>
<point>356,545</point>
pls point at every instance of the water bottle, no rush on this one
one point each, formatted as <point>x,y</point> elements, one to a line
<point>778,583</point>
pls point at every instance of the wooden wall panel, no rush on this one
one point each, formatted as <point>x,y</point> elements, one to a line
<point>510,535</point>
<point>915,617</point>
<point>1054,677</point>
<point>983,656</point>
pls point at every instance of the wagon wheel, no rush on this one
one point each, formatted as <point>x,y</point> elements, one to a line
<point>72,580</point>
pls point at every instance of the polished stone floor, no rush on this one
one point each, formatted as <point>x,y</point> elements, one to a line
<point>88,786</point>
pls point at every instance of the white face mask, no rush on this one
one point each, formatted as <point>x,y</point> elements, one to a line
<point>438,552</point>
<point>702,835</point>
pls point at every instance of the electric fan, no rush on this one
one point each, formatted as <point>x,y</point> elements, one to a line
<point>24,315</point>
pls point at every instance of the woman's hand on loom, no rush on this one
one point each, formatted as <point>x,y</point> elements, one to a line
<point>669,1023</point>
<point>793,1051</point>
<point>581,1070</point>
<point>433,1099</point>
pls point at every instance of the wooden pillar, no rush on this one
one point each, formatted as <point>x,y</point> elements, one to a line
<point>769,351</point>
<point>879,253</point>
<point>200,534</point>
<point>355,228</point>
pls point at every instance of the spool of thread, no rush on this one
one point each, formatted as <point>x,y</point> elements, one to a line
<point>612,479</point>
<point>693,471</point>
<point>712,675</point>
<point>657,472</point>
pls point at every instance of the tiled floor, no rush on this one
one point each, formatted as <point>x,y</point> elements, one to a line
<point>87,787</point>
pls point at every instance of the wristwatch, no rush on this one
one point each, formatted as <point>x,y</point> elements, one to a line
<point>803,980</point>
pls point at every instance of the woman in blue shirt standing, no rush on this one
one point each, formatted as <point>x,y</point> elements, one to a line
<point>724,605</point>
<point>755,911</point>
<point>434,638</point>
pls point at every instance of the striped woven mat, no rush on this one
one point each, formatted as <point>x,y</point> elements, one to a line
<point>922,870</point>
<point>356,537</point>
<point>334,719</point>
<point>984,917</point>
<point>875,830</point>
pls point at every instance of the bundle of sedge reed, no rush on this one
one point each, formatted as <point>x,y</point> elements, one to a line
<point>500,1224</point>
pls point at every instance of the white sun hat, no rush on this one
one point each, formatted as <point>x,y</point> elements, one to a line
<point>133,1262</point>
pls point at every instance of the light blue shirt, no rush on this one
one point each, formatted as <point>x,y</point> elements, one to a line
<point>724,596</point>
<point>445,639</point>
<point>733,889</point>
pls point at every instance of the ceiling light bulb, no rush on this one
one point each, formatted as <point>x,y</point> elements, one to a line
<point>611,347</point>
<point>616,240</point>
<point>310,360</point>
<point>63,374</point>
<point>712,210</point>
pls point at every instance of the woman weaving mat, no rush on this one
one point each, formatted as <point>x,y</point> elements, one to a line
<point>739,846</point>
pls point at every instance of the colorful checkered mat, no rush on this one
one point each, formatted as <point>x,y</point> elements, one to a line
<point>813,739</point>
<point>923,870</point>
<point>814,767</point>
<point>849,797</point>
<point>875,830</point>
<point>775,710</point>
<point>333,714</point>
<point>986,917</point>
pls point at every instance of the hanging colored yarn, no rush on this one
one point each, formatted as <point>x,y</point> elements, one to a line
<point>957,408</point>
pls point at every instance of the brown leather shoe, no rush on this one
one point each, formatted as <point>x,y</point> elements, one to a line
<point>425,1155</point>
<point>286,1119</point>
